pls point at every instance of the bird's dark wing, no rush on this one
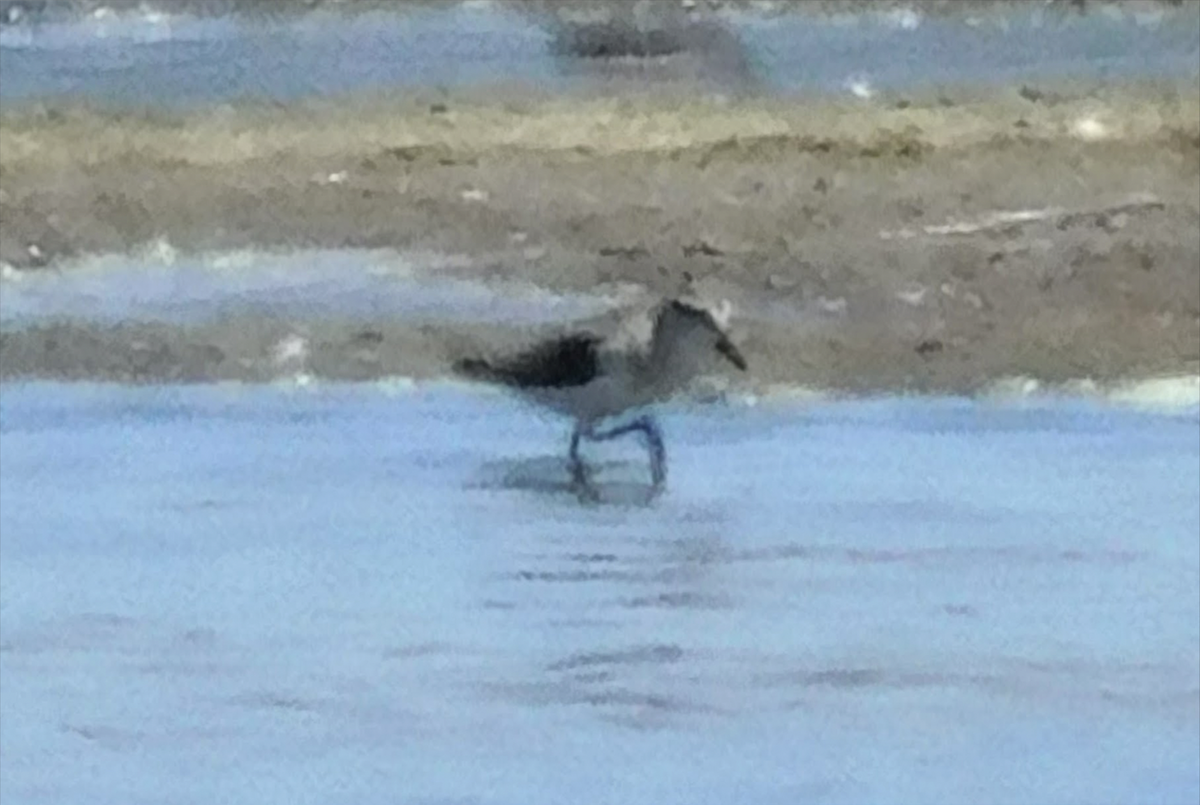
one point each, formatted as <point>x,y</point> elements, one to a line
<point>557,363</point>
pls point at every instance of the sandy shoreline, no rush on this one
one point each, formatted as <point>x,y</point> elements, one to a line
<point>925,243</point>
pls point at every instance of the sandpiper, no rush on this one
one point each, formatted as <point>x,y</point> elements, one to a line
<point>592,379</point>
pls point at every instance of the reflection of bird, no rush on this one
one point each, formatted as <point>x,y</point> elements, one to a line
<point>584,376</point>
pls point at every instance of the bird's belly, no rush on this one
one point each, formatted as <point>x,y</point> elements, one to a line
<point>599,399</point>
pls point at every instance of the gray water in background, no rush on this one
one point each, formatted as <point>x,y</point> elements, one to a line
<point>179,61</point>
<point>340,595</point>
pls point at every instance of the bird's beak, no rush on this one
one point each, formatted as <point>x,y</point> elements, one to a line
<point>726,348</point>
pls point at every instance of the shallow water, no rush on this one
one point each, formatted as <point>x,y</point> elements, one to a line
<point>162,60</point>
<point>362,594</point>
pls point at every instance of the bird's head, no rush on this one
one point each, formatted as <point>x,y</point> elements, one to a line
<point>697,331</point>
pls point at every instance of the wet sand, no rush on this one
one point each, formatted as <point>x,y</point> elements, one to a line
<point>921,242</point>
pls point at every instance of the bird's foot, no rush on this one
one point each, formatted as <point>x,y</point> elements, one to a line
<point>658,476</point>
<point>581,482</point>
<point>585,490</point>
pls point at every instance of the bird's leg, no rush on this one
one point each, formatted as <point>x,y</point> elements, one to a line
<point>658,451</point>
<point>630,427</point>
<point>575,463</point>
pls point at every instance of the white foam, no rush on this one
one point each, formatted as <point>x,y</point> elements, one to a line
<point>1167,394</point>
<point>904,19</point>
<point>784,394</point>
<point>1163,393</point>
<point>1090,129</point>
<point>291,350</point>
<point>860,87</point>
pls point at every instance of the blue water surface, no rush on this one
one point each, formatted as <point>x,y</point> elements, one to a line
<point>378,594</point>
